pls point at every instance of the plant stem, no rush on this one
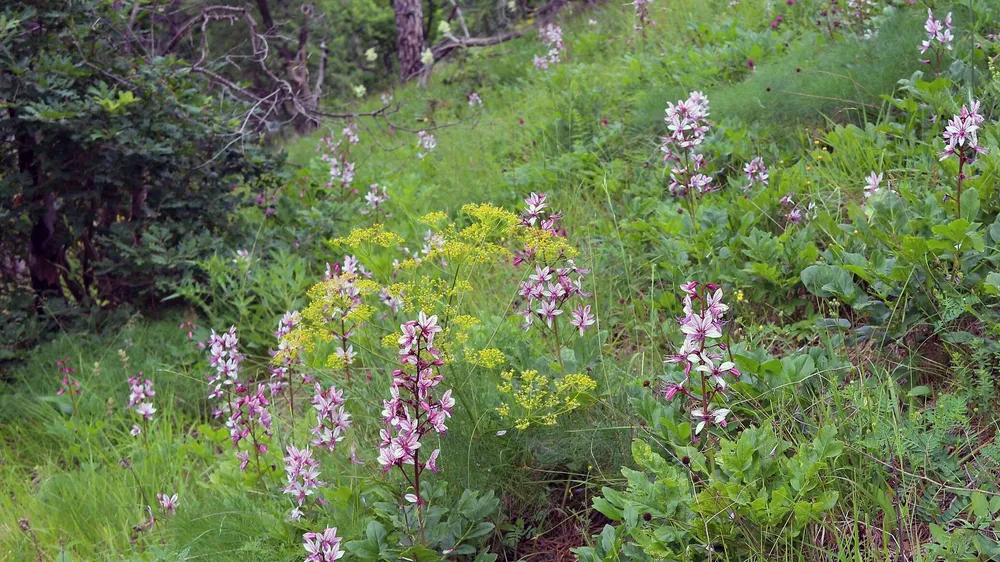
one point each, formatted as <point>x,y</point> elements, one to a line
<point>961,176</point>
<point>555,329</point>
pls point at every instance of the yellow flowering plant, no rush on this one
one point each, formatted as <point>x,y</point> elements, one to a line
<point>355,308</point>
<point>350,320</point>
<point>534,399</point>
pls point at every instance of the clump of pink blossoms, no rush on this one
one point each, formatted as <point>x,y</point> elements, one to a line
<point>332,420</point>
<point>337,155</point>
<point>302,472</point>
<point>342,283</point>
<point>873,182</point>
<point>395,303</point>
<point>426,143</point>
<point>189,327</point>
<point>374,202</point>
<point>414,407</point>
<point>281,372</point>
<point>140,392</point>
<point>546,292</point>
<point>642,15</point>
<point>249,418</point>
<point>224,355</point>
<point>756,173</point>
<point>961,136</point>
<point>322,547</point>
<point>939,37</point>
<point>688,124</point>
<point>245,403</point>
<point>475,100</point>
<point>551,35</point>
<point>702,355</point>
<point>68,384</point>
<point>793,215</point>
<point>168,503</point>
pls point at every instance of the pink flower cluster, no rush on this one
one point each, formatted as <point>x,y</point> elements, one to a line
<point>332,420</point>
<point>701,354</point>
<point>337,155</point>
<point>756,173</point>
<point>267,202</point>
<point>374,201</point>
<point>962,134</point>
<point>546,292</point>
<point>793,214</point>
<point>642,14</point>
<point>343,328</point>
<point>551,35</point>
<point>688,124</point>
<point>168,503</point>
<point>413,408</point>
<point>352,268</point>
<point>938,34</point>
<point>140,391</point>
<point>475,100</point>
<point>426,143</point>
<point>323,547</point>
<point>189,327</point>
<point>249,417</point>
<point>245,404</point>
<point>860,10</point>
<point>68,385</point>
<point>302,472</point>
<point>281,373</point>
<point>538,214</point>
<point>874,181</point>
<point>224,355</point>
<point>386,298</point>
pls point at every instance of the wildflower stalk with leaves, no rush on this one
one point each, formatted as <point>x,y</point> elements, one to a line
<point>413,410</point>
<point>702,354</point>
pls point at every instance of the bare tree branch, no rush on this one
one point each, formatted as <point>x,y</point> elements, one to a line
<point>230,13</point>
<point>446,46</point>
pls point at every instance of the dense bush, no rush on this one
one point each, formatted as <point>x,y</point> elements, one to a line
<point>118,170</point>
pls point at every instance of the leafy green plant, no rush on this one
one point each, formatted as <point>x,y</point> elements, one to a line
<point>692,502</point>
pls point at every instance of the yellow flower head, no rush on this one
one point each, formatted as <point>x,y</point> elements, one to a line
<point>488,358</point>
<point>376,234</point>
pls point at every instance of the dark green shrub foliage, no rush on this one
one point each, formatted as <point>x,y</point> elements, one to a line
<point>117,168</point>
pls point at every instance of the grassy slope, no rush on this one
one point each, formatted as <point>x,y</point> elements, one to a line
<point>66,479</point>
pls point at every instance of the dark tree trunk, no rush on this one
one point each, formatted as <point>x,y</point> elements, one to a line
<point>429,26</point>
<point>45,253</point>
<point>265,16</point>
<point>409,36</point>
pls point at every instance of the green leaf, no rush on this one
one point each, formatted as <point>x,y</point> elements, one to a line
<point>605,507</point>
<point>992,283</point>
<point>824,280</point>
<point>826,444</point>
<point>797,368</point>
<point>970,204</point>
<point>981,506</point>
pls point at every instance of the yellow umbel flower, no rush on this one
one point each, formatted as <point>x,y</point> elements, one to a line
<point>376,234</point>
<point>546,246</point>
<point>534,399</point>
<point>434,219</point>
<point>488,358</point>
<point>390,340</point>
